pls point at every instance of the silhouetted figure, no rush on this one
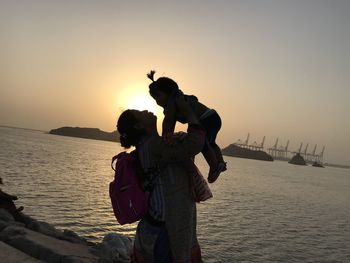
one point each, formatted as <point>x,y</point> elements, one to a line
<point>165,90</point>
<point>6,202</point>
<point>168,232</point>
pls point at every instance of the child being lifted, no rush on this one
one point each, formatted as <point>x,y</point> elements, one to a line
<point>164,90</point>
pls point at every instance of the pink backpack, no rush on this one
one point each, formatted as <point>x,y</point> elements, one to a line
<point>129,200</point>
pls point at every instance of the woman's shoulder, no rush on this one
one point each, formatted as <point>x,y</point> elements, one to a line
<point>151,144</point>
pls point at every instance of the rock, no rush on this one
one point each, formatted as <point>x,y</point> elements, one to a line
<point>7,219</point>
<point>10,232</point>
<point>30,240</point>
<point>3,224</point>
<point>25,219</point>
<point>6,216</point>
<point>73,237</point>
<point>10,254</point>
<point>46,248</point>
<point>49,230</point>
<point>115,248</point>
<point>44,228</point>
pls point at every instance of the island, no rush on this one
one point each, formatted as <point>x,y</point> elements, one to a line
<point>87,133</point>
<point>236,151</point>
<point>297,159</point>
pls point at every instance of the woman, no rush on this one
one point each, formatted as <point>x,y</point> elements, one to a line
<point>168,232</point>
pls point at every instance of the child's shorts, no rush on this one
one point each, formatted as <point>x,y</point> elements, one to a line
<point>211,122</point>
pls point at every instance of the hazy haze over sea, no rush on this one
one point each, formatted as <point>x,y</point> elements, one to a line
<point>261,211</point>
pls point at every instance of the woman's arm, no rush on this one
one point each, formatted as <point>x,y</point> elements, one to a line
<point>169,121</point>
<point>168,125</point>
<point>191,145</point>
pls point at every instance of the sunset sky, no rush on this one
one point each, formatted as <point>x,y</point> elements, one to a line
<point>269,67</point>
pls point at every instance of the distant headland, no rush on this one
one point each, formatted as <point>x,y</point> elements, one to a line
<point>87,133</point>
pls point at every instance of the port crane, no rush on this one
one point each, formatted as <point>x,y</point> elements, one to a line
<point>282,152</point>
<point>273,150</point>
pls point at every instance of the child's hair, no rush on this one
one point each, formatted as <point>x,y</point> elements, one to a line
<point>129,135</point>
<point>164,84</point>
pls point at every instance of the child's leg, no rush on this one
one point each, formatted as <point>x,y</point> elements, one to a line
<point>212,152</point>
<point>220,166</point>
<point>210,156</point>
<point>218,153</point>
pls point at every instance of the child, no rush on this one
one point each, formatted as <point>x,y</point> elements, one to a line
<point>164,90</point>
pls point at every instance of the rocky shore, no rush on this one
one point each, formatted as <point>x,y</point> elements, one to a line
<point>29,240</point>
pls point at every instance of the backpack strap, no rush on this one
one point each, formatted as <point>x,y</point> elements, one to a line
<point>115,157</point>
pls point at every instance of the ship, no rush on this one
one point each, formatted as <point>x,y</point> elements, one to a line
<point>240,152</point>
<point>317,164</point>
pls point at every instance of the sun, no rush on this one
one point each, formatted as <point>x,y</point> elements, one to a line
<point>135,96</point>
<point>142,102</point>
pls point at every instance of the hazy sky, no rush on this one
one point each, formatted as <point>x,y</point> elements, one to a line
<point>275,68</point>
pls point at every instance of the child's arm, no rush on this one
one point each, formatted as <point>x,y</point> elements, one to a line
<point>169,121</point>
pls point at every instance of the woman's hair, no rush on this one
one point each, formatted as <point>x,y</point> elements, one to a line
<point>129,135</point>
<point>163,84</point>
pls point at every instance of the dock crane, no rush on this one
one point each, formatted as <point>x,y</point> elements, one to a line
<point>301,145</point>
<point>307,145</point>
<point>305,152</point>
<point>313,156</point>
<point>276,143</point>
<point>286,148</point>
<point>320,155</point>
<point>273,149</point>
<point>314,150</point>
<point>247,140</point>
<point>262,143</point>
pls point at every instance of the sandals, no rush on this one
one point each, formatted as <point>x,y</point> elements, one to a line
<point>214,175</point>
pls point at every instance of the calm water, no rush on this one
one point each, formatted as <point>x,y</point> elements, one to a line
<point>261,211</point>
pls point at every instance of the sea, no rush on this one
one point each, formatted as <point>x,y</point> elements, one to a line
<point>260,212</point>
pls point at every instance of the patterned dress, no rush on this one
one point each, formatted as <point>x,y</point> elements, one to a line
<point>168,233</point>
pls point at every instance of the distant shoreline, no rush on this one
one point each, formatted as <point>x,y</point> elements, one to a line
<point>87,133</point>
<point>337,165</point>
<point>343,166</point>
<point>21,128</point>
